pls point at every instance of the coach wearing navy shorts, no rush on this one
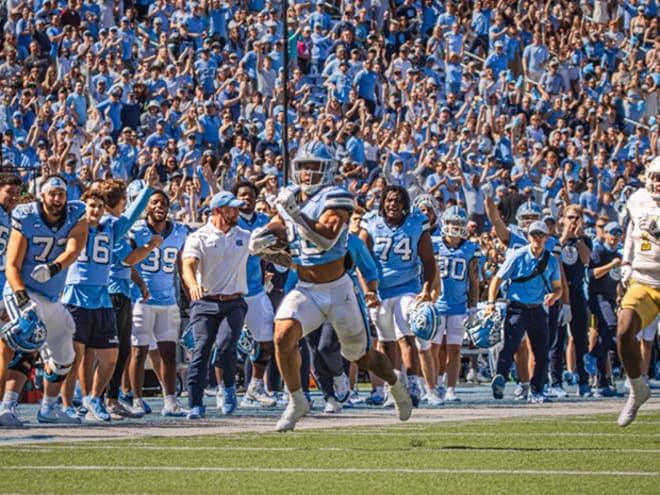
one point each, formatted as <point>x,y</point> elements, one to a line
<point>534,283</point>
<point>214,270</point>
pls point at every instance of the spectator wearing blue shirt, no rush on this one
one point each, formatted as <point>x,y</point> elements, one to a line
<point>589,202</point>
<point>498,60</point>
<point>534,59</point>
<point>210,123</point>
<point>230,98</point>
<point>480,25</point>
<point>529,291</point>
<point>110,111</point>
<point>365,85</point>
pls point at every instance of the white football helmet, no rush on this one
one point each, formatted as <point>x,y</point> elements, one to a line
<point>653,178</point>
<point>454,222</point>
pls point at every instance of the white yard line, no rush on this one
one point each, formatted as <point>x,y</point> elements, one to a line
<point>158,448</point>
<point>251,469</point>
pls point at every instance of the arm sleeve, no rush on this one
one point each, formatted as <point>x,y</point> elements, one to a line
<point>132,214</point>
<point>363,260</point>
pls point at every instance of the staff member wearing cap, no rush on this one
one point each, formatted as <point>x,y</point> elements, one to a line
<point>530,289</point>
<point>214,270</point>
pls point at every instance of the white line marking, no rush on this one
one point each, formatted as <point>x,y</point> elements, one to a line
<point>482,434</point>
<point>252,469</point>
<point>48,449</point>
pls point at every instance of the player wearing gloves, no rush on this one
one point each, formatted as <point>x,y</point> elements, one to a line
<point>640,273</point>
<point>47,236</point>
<point>317,214</point>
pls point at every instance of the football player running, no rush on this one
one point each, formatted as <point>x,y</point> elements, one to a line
<point>640,273</point>
<point>317,215</point>
<point>47,236</point>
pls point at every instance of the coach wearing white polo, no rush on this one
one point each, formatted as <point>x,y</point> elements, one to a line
<point>214,271</point>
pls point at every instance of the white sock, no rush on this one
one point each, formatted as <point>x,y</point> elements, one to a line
<point>9,399</point>
<point>259,383</point>
<point>137,402</point>
<point>170,401</point>
<point>48,402</point>
<point>298,396</point>
<point>636,385</point>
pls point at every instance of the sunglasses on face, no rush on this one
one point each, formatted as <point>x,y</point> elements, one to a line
<point>572,217</point>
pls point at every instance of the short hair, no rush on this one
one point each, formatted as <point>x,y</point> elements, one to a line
<point>162,193</point>
<point>9,179</point>
<point>93,194</point>
<point>113,191</point>
<point>245,183</point>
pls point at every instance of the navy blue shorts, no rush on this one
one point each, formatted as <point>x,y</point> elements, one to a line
<point>95,328</point>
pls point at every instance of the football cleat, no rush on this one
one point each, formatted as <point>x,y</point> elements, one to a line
<point>297,407</point>
<point>634,402</point>
<point>258,395</point>
<point>196,412</point>
<point>401,397</point>
<point>177,411</point>
<point>521,392</point>
<point>9,417</point>
<point>332,405</point>
<point>96,410</point>
<point>55,415</point>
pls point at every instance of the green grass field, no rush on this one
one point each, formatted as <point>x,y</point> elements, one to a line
<point>583,455</point>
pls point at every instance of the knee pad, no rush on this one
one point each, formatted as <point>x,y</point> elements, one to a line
<point>22,363</point>
<point>56,373</point>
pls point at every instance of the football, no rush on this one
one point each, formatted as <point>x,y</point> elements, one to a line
<point>279,231</point>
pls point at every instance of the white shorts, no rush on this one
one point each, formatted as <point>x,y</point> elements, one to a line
<point>159,323</point>
<point>336,302</point>
<point>648,334</point>
<point>391,318</point>
<point>260,317</point>
<point>59,326</point>
<point>452,326</point>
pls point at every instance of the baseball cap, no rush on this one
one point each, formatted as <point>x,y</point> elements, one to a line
<point>613,228</point>
<point>225,198</point>
<point>538,227</point>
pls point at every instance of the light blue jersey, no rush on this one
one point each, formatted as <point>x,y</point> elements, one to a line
<point>305,253</point>
<point>453,264</point>
<point>158,270</point>
<point>44,244</point>
<point>5,230</point>
<point>362,260</point>
<point>521,263</point>
<point>89,276</point>
<point>517,238</point>
<point>396,252</point>
<point>254,272</point>
<point>120,273</point>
